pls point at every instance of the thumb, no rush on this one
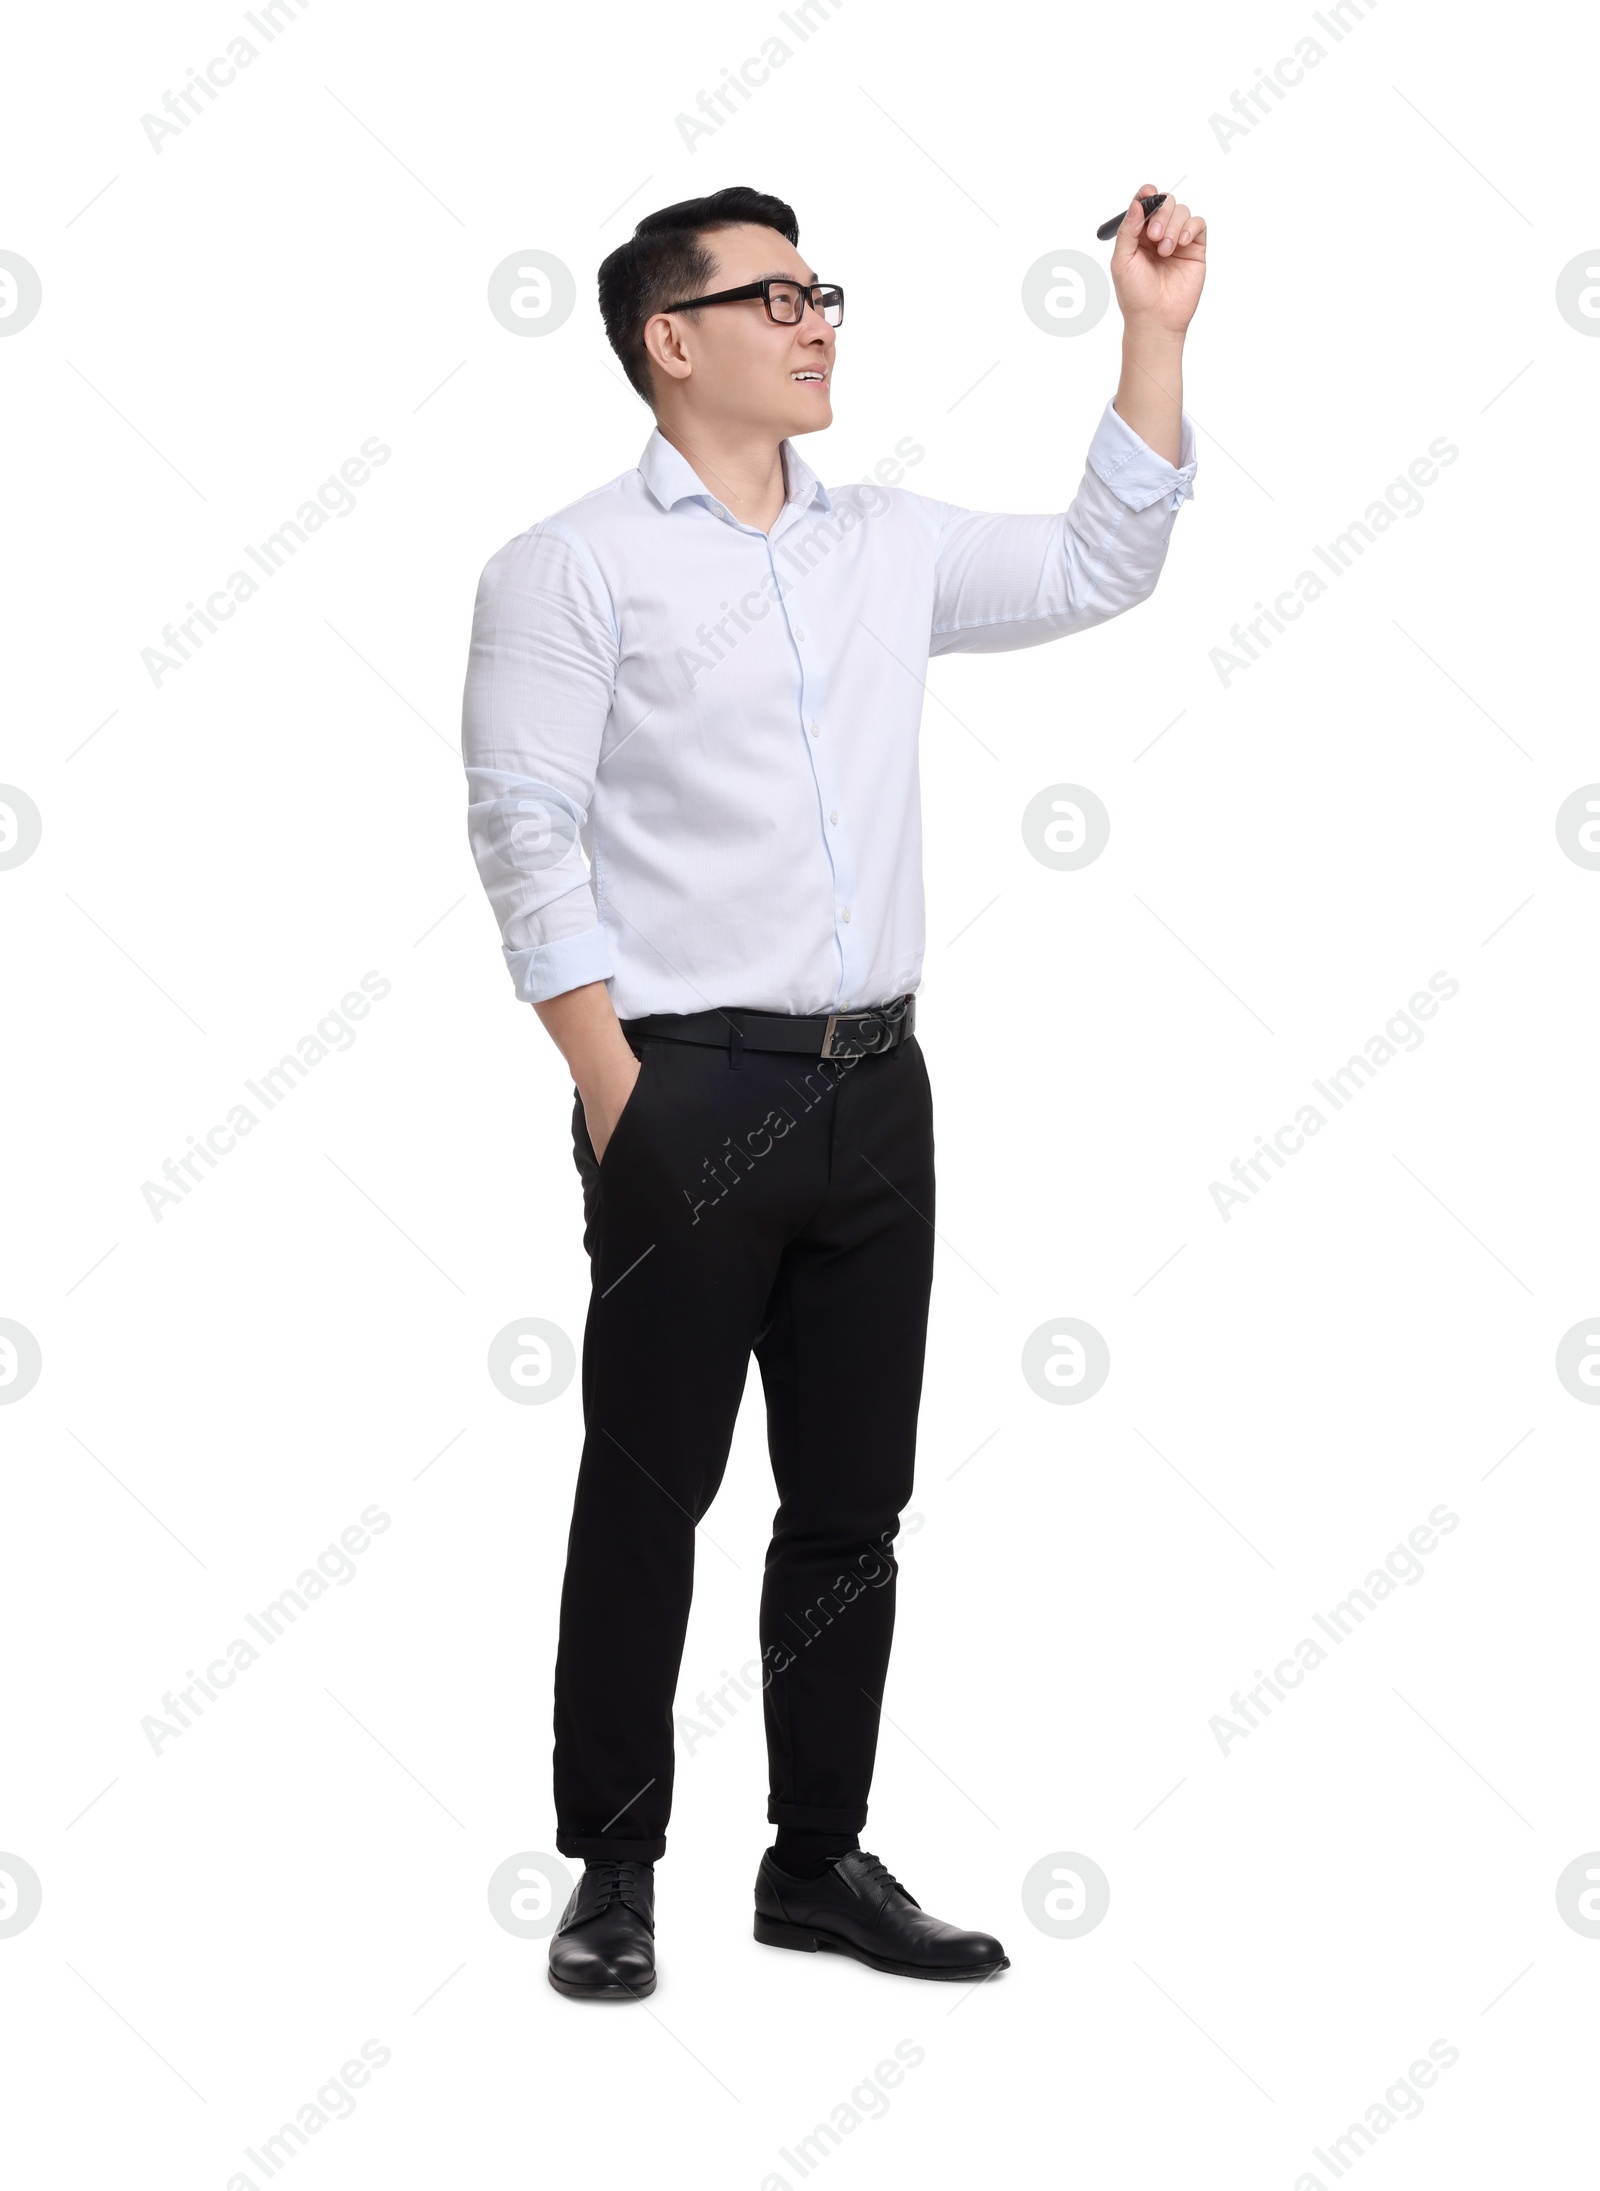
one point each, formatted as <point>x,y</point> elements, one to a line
<point>1126,242</point>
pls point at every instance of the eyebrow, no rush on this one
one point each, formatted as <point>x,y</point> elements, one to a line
<point>775,273</point>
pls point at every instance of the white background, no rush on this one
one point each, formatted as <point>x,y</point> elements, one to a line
<point>1292,1923</point>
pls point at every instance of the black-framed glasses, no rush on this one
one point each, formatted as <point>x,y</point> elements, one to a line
<point>785,301</point>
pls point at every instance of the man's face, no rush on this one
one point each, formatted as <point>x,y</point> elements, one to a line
<point>746,371</point>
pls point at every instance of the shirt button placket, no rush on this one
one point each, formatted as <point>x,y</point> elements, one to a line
<point>835,842</point>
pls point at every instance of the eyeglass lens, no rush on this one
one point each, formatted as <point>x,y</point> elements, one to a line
<point>787,302</point>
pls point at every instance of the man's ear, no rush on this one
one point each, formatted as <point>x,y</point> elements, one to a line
<point>664,348</point>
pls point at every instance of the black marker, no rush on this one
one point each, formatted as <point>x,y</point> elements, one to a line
<point>1109,228</point>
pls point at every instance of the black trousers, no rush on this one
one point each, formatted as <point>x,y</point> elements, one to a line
<point>784,1207</point>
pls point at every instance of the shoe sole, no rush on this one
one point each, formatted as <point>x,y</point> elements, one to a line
<point>772,1932</point>
<point>616,1992</point>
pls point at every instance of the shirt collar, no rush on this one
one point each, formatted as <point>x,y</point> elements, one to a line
<point>671,478</point>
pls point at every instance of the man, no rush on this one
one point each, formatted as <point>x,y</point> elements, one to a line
<point>690,733</point>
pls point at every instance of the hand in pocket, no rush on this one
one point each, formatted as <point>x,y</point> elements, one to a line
<point>610,1102</point>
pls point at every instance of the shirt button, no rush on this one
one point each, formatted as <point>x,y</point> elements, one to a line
<point>816,730</point>
<point>847,912</point>
<point>834,816</point>
<point>799,634</point>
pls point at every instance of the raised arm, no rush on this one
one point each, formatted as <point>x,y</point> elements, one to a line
<point>1158,268</point>
<point>1006,581</point>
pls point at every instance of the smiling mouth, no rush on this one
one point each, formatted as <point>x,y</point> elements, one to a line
<point>809,378</point>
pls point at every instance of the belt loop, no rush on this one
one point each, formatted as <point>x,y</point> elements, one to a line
<point>735,1046</point>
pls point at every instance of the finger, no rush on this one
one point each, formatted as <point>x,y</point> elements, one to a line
<point>1194,234</point>
<point>1164,229</point>
<point>1133,223</point>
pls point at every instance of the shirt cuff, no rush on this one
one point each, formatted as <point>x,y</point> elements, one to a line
<point>544,970</point>
<point>1132,469</point>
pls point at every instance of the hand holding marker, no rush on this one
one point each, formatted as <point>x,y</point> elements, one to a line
<point>1107,229</point>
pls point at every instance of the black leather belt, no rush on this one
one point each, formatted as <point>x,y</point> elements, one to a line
<point>833,1034</point>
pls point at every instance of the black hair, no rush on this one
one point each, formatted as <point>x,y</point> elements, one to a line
<point>664,258</point>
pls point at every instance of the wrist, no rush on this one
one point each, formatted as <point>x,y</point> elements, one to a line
<point>1149,336</point>
<point>601,1065</point>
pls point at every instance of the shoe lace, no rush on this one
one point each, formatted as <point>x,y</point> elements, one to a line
<point>618,1880</point>
<point>878,1872</point>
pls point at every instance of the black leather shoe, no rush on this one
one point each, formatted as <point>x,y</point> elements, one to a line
<point>859,1908</point>
<point>604,1948</point>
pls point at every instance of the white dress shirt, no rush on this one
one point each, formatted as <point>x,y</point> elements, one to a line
<point>691,746</point>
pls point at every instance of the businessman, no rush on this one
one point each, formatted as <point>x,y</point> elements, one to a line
<point>690,734</point>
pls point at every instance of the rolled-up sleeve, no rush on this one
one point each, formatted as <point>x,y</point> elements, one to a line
<point>1005,581</point>
<point>540,675</point>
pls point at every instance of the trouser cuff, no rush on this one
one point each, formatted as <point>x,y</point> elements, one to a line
<point>611,1845</point>
<point>850,1819</point>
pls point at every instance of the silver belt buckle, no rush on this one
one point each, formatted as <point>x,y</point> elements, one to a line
<point>874,1022</point>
